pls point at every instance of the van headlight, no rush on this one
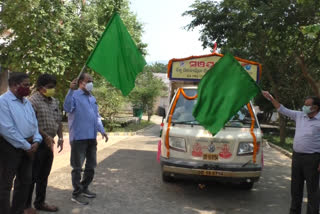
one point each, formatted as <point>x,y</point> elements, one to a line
<point>245,148</point>
<point>178,144</point>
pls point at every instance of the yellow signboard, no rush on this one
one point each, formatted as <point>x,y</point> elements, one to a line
<point>195,68</point>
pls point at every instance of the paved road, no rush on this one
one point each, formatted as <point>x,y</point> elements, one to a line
<point>128,181</point>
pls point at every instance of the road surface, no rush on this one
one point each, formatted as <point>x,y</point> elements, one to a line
<point>128,181</point>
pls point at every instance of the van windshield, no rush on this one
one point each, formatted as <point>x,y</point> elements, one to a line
<point>183,112</point>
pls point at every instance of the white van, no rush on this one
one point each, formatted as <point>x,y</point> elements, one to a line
<point>234,154</point>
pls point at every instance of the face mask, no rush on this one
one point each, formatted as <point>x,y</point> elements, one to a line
<point>307,109</point>
<point>49,92</point>
<point>23,91</point>
<point>89,86</point>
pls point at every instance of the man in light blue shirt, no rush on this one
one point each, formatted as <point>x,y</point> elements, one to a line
<point>306,153</point>
<point>19,140</point>
<point>84,123</point>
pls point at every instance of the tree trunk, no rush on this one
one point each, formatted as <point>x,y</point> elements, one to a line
<point>149,113</point>
<point>308,77</point>
<point>3,81</point>
<point>282,124</point>
<point>282,119</point>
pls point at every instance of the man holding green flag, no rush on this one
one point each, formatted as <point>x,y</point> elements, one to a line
<point>116,57</point>
<point>222,92</point>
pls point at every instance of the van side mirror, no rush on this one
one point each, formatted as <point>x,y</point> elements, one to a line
<point>161,112</point>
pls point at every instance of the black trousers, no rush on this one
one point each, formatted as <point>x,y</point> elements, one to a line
<point>305,168</point>
<point>41,169</point>
<point>14,163</point>
<point>83,150</point>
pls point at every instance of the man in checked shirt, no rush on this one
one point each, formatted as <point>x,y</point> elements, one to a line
<point>306,152</point>
<point>49,120</point>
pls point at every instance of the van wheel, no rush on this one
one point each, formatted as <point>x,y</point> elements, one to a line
<point>167,178</point>
<point>246,185</point>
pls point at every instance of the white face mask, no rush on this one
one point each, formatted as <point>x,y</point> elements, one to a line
<point>89,86</point>
<point>307,109</point>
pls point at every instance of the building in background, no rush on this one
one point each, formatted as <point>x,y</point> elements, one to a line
<point>4,73</point>
<point>162,101</point>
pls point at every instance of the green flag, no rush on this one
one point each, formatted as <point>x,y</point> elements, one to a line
<point>116,57</point>
<point>222,92</point>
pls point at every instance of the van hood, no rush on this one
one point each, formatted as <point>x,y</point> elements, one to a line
<point>223,147</point>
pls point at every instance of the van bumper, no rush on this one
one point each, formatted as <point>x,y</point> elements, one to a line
<point>214,171</point>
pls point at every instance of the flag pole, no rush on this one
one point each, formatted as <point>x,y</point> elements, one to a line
<point>82,70</point>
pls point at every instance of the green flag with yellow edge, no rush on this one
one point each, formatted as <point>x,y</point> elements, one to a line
<point>222,92</point>
<point>116,57</point>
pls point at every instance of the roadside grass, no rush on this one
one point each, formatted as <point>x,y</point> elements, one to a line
<point>132,127</point>
<point>275,139</point>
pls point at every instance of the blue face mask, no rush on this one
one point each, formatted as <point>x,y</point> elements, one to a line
<point>307,109</point>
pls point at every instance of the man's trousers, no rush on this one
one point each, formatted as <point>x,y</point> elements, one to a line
<point>83,150</point>
<point>14,163</point>
<point>305,168</point>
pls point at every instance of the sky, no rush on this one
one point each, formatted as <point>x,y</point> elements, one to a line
<point>163,29</point>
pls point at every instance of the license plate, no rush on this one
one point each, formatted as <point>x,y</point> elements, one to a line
<point>210,157</point>
<point>210,173</point>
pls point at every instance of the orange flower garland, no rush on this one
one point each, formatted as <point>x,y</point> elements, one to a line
<point>181,91</point>
<point>255,145</point>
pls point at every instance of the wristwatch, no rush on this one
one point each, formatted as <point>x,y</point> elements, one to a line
<point>60,138</point>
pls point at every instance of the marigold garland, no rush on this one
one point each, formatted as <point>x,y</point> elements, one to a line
<point>255,145</point>
<point>181,91</point>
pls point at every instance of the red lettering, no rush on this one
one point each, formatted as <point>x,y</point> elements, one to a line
<point>193,63</point>
<point>201,64</point>
<point>210,64</point>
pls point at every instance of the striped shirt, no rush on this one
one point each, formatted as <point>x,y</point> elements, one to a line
<point>307,136</point>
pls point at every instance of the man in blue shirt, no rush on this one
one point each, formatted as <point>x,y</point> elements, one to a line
<point>306,153</point>
<point>19,140</point>
<point>84,123</point>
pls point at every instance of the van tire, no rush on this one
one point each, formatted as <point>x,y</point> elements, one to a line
<point>167,178</point>
<point>246,185</point>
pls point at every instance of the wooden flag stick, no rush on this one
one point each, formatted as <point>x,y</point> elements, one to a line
<point>82,70</point>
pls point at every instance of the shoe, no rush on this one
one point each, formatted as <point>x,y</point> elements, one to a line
<point>88,194</point>
<point>47,207</point>
<point>79,200</point>
<point>30,211</point>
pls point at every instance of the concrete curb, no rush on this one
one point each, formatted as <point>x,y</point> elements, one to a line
<point>283,151</point>
<point>146,128</point>
<point>121,133</point>
<point>131,133</point>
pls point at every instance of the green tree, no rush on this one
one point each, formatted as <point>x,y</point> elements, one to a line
<point>110,101</point>
<point>148,88</point>
<point>157,67</point>
<point>270,33</point>
<point>58,36</point>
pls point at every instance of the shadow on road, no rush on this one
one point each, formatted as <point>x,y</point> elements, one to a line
<point>129,181</point>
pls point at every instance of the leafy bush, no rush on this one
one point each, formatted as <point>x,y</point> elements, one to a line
<point>110,102</point>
